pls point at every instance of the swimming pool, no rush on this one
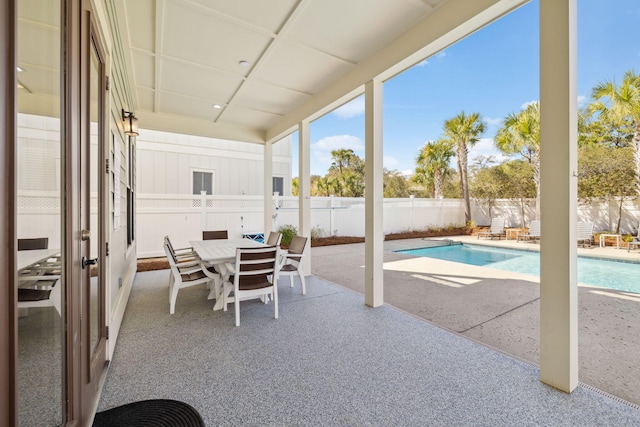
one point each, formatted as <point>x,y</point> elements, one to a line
<point>623,276</point>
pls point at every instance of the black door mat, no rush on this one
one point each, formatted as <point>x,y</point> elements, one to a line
<point>150,413</point>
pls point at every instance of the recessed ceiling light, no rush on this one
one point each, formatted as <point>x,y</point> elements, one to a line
<point>20,70</point>
<point>243,63</point>
<point>217,106</point>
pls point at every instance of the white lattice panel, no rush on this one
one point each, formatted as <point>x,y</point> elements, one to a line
<point>39,202</point>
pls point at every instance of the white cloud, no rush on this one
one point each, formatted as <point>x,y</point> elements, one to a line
<point>329,143</point>
<point>438,55</point>
<point>526,104</point>
<point>493,121</point>
<point>582,101</point>
<point>485,147</point>
<point>390,162</point>
<point>351,109</point>
<point>321,150</point>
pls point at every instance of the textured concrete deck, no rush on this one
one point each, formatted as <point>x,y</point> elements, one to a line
<point>501,309</point>
<point>328,361</point>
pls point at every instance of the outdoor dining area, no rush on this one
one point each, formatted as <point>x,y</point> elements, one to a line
<point>235,269</point>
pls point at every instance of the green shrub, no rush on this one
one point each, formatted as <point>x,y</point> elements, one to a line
<point>288,231</point>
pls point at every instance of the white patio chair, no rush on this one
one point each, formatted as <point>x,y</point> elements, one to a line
<point>635,241</point>
<point>532,234</point>
<point>186,258</point>
<point>584,233</point>
<point>292,261</point>
<point>253,276</point>
<point>495,230</point>
<point>183,278</point>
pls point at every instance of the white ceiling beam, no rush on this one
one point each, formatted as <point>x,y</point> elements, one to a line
<point>206,128</point>
<point>123,28</point>
<point>158,54</point>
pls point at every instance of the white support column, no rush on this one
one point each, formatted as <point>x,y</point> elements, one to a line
<point>304,189</point>
<point>374,232</point>
<point>559,166</point>
<point>331,214</point>
<point>268,189</point>
<point>203,210</point>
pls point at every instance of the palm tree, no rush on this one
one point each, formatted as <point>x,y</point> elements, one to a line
<point>520,134</point>
<point>464,131</point>
<point>322,187</point>
<point>341,159</point>
<point>620,103</point>
<point>433,164</point>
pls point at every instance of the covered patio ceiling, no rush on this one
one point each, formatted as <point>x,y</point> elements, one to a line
<point>303,57</point>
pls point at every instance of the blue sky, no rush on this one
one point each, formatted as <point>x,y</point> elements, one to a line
<point>493,72</point>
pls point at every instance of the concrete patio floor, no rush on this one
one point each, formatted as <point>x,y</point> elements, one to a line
<point>501,309</point>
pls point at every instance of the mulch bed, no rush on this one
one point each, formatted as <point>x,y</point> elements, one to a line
<point>160,263</point>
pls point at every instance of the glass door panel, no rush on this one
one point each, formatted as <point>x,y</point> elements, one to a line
<point>39,215</point>
<point>95,299</point>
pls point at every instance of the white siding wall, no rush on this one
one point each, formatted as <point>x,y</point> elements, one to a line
<point>166,162</point>
<point>38,176</point>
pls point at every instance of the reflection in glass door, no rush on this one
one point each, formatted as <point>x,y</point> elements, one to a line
<point>94,186</point>
<point>39,215</point>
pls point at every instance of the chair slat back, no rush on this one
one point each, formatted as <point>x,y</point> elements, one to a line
<point>215,235</point>
<point>274,238</point>
<point>169,245</point>
<point>297,245</point>
<point>256,261</point>
<point>171,256</point>
<point>584,230</point>
<point>33,244</point>
<point>534,228</point>
<point>497,225</point>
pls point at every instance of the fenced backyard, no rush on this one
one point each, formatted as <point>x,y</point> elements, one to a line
<point>184,217</point>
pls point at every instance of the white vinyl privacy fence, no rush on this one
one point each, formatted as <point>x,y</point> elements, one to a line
<point>183,217</point>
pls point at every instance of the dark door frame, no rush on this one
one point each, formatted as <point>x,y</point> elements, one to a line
<point>93,360</point>
<point>8,294</point>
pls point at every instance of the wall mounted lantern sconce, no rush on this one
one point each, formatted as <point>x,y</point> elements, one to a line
<point>130,123</point>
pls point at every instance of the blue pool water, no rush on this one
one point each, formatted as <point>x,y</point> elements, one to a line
<point>623,276</point>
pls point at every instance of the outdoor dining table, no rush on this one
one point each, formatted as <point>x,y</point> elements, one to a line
<point>27,258</point>
<point>219,252</point>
